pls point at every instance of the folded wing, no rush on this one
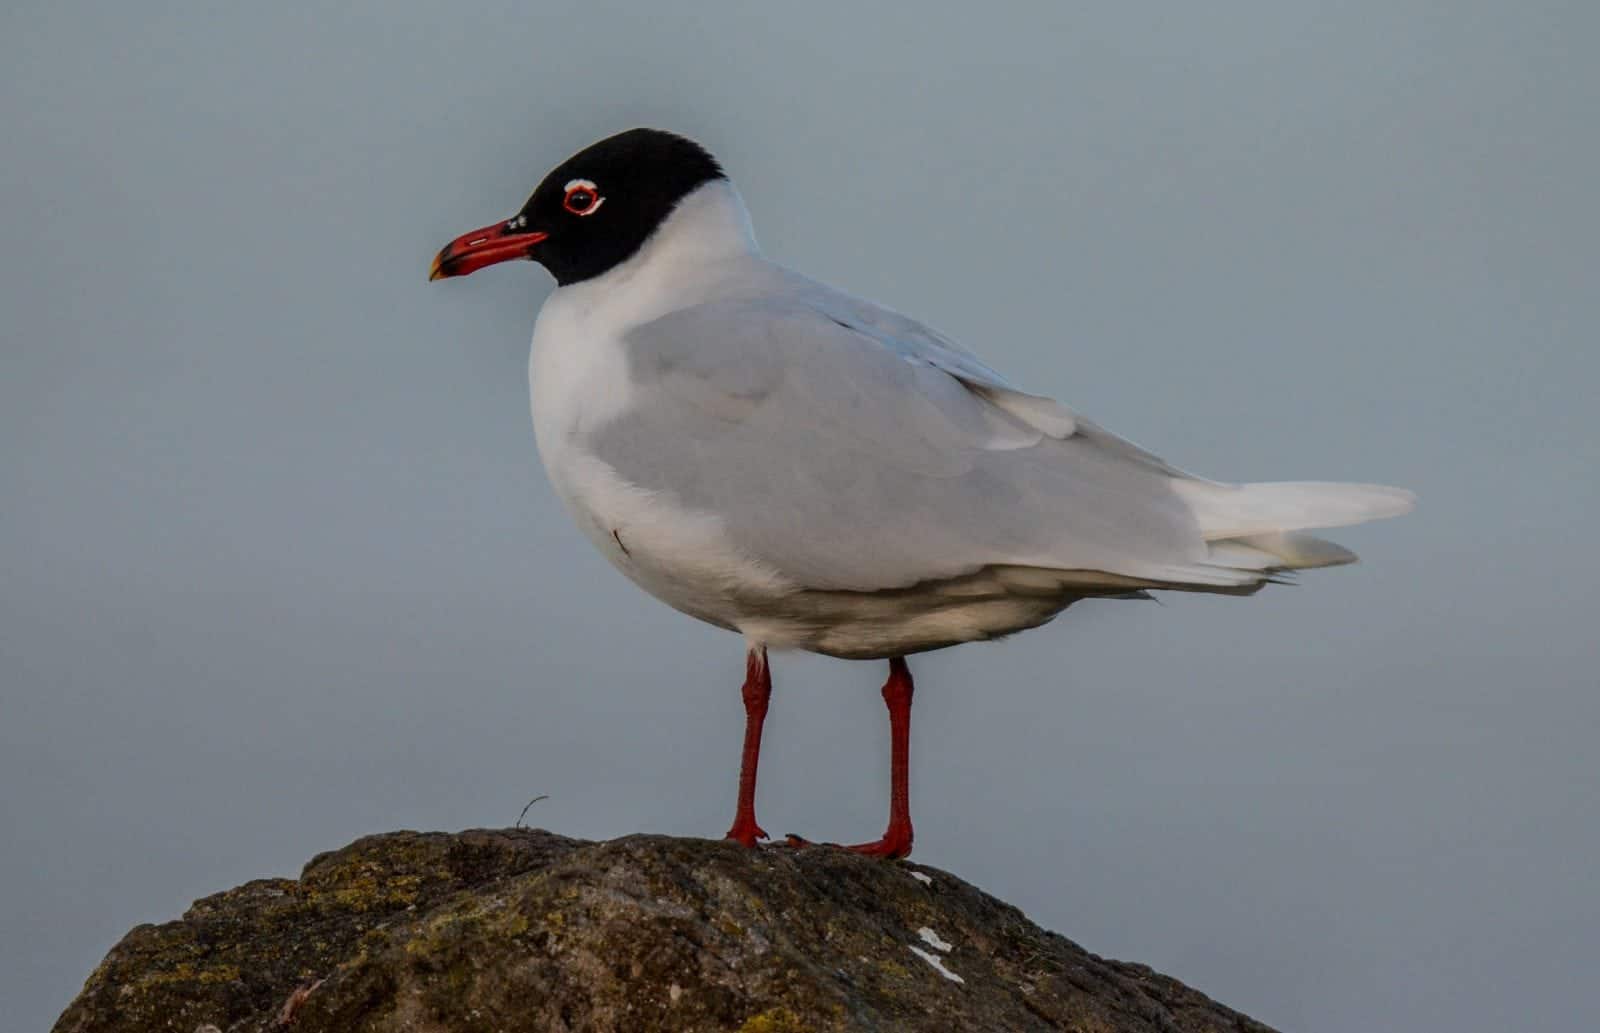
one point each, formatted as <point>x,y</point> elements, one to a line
<point>849,448</point>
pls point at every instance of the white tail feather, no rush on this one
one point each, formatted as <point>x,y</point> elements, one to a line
<point>1266,509</point>
<point>1291,550</point>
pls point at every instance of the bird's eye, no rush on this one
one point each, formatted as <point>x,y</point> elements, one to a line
<point>583,198</point>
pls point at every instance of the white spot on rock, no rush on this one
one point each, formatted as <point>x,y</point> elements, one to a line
<point>923,877</point>
<point>938,964</point>
<point>931,938</point>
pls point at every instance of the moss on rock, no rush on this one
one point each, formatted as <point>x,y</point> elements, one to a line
<point>523,930</point>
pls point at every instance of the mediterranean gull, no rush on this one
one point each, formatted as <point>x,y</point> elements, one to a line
<point>814,471</point>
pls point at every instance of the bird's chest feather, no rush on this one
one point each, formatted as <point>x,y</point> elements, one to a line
<point>579,381</point>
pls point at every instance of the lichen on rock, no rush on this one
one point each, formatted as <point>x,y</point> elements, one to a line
<point>523,930</point>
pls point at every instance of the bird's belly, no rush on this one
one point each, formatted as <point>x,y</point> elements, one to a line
<point>683,558</point>
<point>680,556</point>
<point>878,625</point>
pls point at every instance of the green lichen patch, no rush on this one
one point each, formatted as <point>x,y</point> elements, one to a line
<point>774,1020</point>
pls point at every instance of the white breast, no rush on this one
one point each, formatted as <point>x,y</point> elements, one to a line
<point>579,380</point>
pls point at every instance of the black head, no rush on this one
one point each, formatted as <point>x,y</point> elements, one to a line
<point>593,211</point>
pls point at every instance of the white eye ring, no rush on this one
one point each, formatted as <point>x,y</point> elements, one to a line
<point>588,187</point>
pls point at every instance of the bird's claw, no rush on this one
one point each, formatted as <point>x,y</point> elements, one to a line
<point>746,834</point>
<point>890,847</point>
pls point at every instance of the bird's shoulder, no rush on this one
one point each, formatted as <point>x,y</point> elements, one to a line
<point>769,324</point>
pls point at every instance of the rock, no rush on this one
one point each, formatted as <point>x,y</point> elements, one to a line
<point>523,930</point>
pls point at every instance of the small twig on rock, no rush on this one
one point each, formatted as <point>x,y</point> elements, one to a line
<point>524,814</point>
<point>296,999</point>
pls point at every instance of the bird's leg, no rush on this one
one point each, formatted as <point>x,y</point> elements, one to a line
<point>757,691</point>
<point>896,840</point>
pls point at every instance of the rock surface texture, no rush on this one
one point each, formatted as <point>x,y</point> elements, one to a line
<point>522,930</point>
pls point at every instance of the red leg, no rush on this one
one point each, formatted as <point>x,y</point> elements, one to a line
<point>897,691</point>
<point>757,691</point>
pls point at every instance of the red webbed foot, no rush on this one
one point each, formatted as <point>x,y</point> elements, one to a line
<point>893,845</point>
<point>746,833</point>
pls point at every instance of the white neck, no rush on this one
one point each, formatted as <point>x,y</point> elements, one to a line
<point>711,223</point>
<point>684,261</point>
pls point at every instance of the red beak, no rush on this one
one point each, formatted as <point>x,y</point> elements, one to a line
<point>470,252</point>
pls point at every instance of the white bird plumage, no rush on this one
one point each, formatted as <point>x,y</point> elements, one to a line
<point>814,471</point>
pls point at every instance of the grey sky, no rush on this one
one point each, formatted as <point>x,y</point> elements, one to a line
<point>278,566</point>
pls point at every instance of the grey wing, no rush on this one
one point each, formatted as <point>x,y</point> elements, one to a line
<point>916,342</point>
<point>843,464</point>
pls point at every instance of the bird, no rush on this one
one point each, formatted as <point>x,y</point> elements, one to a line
<point>813,471</point>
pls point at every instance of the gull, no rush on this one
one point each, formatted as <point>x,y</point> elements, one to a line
<point>814,471</point>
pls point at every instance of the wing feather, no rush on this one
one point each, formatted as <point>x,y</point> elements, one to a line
<point>846,462</point>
